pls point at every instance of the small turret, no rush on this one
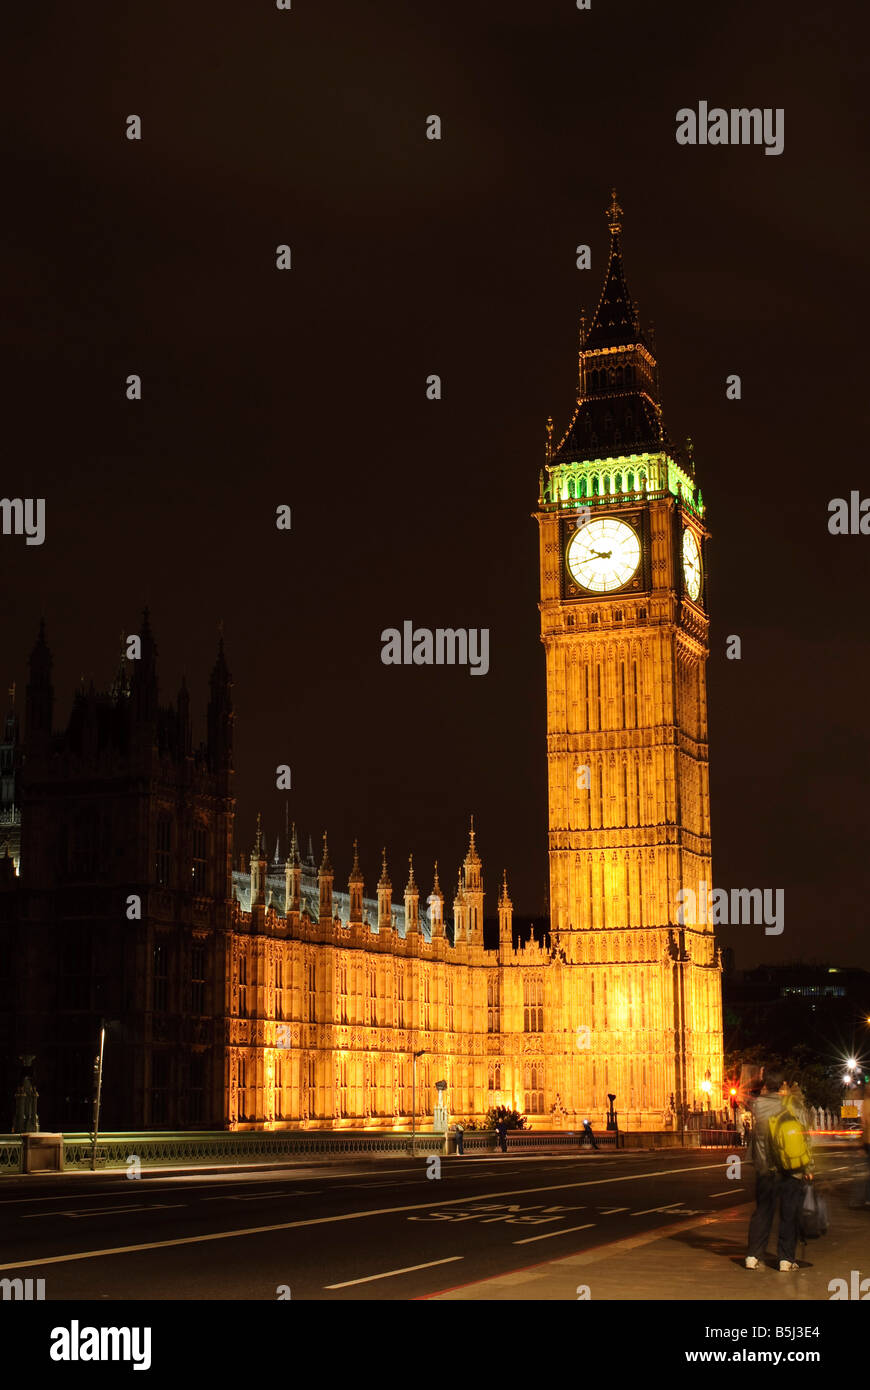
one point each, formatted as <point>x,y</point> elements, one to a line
<point>473,886</point>
<point>436,907</point>
<point>412,901</point>
<point>293,878</point>
<point>324,884</point>
<point>505,919</point>
<point>355,889</point>
<point>385,897</point>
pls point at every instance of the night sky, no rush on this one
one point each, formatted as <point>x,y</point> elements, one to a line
<point>307,388</point>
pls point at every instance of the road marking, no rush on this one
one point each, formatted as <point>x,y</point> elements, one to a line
<point>343,1216</point>
<point>409,1269</point>
<point>257,1196</point>
<point>580,1257</point>
<point>103,1211</point>
<point>646,1211</point>
<point>726,1193</point>
<point>608,1211</point>
<point>549,1236</point>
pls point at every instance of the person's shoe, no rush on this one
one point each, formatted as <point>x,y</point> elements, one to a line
<point>751,1262</point>
<point>786,1266</point>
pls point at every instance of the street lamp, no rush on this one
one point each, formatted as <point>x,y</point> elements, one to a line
<point>415,1055</point>
<point>98,1077</point>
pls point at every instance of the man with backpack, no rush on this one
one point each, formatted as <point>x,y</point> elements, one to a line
<point>778,1148</point>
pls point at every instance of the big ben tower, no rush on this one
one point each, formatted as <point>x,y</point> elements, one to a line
<point>624,625</point>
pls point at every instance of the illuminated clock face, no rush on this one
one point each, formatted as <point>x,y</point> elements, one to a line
<point>604,554</point>
<point>691,563</point>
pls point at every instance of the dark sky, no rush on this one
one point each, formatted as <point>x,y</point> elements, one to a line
<point>308,388</point>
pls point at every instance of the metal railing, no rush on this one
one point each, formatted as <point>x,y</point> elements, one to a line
<point>10,1153</point>
<point>154,1150</point>
<point>720,1139</point>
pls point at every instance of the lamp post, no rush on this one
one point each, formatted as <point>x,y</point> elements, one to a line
<point>98,1069</point>
<point>415,1055</point>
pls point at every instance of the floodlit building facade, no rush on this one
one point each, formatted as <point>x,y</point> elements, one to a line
<point>258,994</point>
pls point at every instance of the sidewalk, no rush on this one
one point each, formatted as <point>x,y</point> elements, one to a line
<point>695,1259</point>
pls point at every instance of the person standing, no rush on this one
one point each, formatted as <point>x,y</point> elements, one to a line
<point>460,1134</point>
<point>501,1130</point>
<point>779,1152</point>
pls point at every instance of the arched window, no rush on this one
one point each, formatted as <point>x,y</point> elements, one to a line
<point>199,870</point>
<point>595,486</point>
<point>617,483</point>
<point>629,482</point>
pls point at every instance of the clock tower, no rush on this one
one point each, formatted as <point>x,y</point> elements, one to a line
<point>623,552</point>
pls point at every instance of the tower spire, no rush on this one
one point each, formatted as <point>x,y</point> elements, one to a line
<point>614,323</point>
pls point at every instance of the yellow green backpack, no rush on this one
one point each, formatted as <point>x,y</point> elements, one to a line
<point>788,1143</point>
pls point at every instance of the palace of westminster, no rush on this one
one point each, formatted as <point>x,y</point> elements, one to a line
<point>250,993</point>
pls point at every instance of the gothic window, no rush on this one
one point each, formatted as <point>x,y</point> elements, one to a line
<point>595,486</point>
<point>197,980</point>
<point>617,483</point>
<point>200,857</point>
<point>426,1000</point>
<point>197,1088</point>
<point>243,1088</point>
<point>342,993</point>
<point>492,1005</point>
<point>311,990</point>
<point>159,1088</point>
<point>533,1006</point>
<point>533,1078</point>
<point>450,1000</point>
<point>312,1085</point>
<point>243,986</point>
<point>400,996</point>
<point>163,866</point>
<point>85,843</point>
<point>373,998</point>
<point>629,481</point>
<point>342,1087</point>
<point>279,987</point>
<point>571,487</point>
<point>160,980</point>
<point>279,1087</point>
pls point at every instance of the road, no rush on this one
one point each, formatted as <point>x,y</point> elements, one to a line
<point>378,1229</point>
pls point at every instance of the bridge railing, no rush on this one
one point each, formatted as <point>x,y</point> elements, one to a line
<point>10,1153</point>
